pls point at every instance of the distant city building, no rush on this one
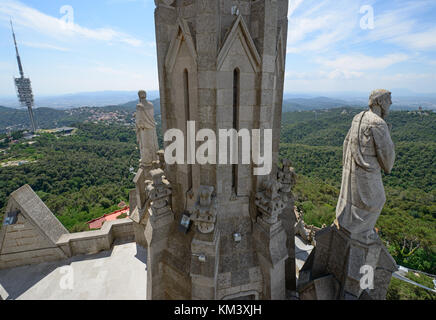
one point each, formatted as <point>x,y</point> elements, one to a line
<point>24,87</point>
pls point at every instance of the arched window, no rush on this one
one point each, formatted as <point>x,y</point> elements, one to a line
<point>236,91</point>
<point>188,117</point>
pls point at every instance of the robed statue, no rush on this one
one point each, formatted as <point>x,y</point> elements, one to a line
<point>146,131</point>
<point>368,149</point>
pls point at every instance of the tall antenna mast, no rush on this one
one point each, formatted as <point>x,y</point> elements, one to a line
<point>24,86</point>
<point>20,66</point>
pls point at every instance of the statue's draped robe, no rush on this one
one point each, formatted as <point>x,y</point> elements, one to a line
<point>146,133</point>
<point>368,148</point>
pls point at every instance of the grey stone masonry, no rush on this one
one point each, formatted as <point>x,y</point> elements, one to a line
<point>357,270</point>
<point>221,63</point>
<point>30,233</point>
<point>160,218</point>
<point>287,177</point>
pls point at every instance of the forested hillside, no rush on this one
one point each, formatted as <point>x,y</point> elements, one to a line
<point>48,118</point>
<point>80,177</point>
<point>313,141</point>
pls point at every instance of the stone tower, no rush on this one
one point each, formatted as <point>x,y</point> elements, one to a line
<point>221,64</point>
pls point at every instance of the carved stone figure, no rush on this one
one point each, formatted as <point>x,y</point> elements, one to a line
<point>368,148</point>
<point>158,192</point>
<point>269,201</point>
<point>287,176</point>
<point>146,130</point>
<point>205,210</point>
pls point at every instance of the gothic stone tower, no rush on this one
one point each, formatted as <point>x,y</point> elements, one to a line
<point>221,64</point>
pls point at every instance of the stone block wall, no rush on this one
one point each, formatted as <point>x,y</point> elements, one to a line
<point>90,242</point>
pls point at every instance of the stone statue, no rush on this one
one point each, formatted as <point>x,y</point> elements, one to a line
<point>205,210</point>
<point>368,148</point>
<point>269,202</point>
<point>287,176</point>
<point>146,131</point>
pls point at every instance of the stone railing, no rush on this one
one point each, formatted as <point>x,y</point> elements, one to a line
<point>90,242</point>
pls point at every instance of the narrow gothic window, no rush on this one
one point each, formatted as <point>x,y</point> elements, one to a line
<point>188,117</point>
<point>236,81</point>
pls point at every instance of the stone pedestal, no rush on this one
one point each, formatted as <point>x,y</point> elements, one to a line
<point>156,234</point>
<point>159,218</point>
<point>340,267</point>
<point>287,217</point>
<point>270,244</point>
<point>139,182</point>
<point>287,177</point>
<point>270,239</point>
<point>204,265</point>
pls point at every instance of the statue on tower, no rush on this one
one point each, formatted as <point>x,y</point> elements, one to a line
<point>368,149</point>
<point>146,131</point>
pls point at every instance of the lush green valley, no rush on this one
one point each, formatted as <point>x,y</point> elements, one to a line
<point>83,176</point>
<point>313,141</point>
<point>79,177</point>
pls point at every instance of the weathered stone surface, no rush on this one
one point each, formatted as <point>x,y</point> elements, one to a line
<point>30,233</point>
<point>368,149</point>
<point>209,41</point>
<point>146,130</point>
<point>347,261</point>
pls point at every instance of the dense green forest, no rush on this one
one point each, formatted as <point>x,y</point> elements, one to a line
<point>47,118</point>
<point>79,177</point>
<point>83,176</point>
<point>313,141</point>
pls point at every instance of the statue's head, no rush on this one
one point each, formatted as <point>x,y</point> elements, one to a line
<point>286,163</point>
<point>381,98</point>
<point>205,195</point>
<point>142,94</point>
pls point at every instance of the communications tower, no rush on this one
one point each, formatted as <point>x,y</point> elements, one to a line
<point>24,87</point>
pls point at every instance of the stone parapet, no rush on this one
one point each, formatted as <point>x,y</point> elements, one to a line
<point>340,267</point>
<point>90,242</point>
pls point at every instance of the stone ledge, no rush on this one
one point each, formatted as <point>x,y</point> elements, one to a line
<point>98,240</point>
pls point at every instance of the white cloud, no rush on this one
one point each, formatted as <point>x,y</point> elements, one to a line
<point>403,27</point>
<point>122,72</point>
<point>26,16</point>
<point>43,46</point>
<point>321,25</point>
<point>293,5</point>
<point>418,40</point>
<point>335,74</point>
<point>359,62</point>
<point>344,74</point>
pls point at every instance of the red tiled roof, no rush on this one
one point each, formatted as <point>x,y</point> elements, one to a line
<point>97,223</point>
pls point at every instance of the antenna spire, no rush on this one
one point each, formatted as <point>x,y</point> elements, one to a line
<point>24,86</point>
<point>20,66</point>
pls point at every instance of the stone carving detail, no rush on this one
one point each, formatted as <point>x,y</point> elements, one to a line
<point>165,2</point>
<point>368,148</point>
<point>158,192</point>
<point>286,176</point>
<point>269,202</point>
<point>146,130</point>
<point>205,210</point>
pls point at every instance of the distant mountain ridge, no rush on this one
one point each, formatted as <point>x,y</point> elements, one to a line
<point>402,100</point>
<point>46,118</point>
<point>305,104</point>
<point>82,99</point>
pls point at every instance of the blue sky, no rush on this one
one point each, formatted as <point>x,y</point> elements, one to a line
<point>111,45</point>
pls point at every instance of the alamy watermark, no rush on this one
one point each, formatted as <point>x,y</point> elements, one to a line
<point>67,280</point>
<point>67,20</point>
<point>367,21</point>
<point>367,280</point>
<point>206,153</point>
